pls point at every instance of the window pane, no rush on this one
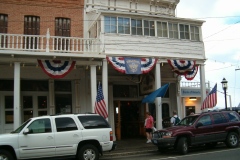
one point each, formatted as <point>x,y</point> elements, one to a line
<point>8,117</point>
<point>40,126</point>
<point>93,122</point>
<point>27,115</point>
<point>65,124</point>
<point>63,86</point>
<point>27,102</point>
<point>9,102</point>
<point>6,85</point>
<point>42,102</point>
<point>42,113</point>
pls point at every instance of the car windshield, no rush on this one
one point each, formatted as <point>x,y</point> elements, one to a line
<point>18,130</point>
<point>188,121</point>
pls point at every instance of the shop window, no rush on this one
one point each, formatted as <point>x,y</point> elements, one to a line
<point>6,85</point>
<point>27,102</point>
<point>32,85</point>
<point>8,109</point>
<point>62,86</point>
<point>42,102</point>
<point>127,91</point>
<point>63,103</point>
<point>27,115</point>
<point>165,110</point>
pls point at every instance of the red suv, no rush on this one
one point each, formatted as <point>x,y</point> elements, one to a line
<point>207,128</point>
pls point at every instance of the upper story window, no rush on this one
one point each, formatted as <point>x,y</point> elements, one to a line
<point>123,25</point>
<point>62,27</point>
<point>110,24</point>
<point>173,30</point>
<point>184,31</point>
<point>3,23</point>
<point>136,26</point>
<point>149,28</point>
<point>32,25</point>
<point>194,33</point>
<point>162,29</point>
<point>3,29</point>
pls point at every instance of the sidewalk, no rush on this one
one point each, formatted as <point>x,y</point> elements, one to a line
<point>131,147</point>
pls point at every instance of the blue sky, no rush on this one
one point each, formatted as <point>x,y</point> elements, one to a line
<point>221,36</point>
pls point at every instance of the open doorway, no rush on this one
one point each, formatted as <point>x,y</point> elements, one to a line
<point>129,119</point>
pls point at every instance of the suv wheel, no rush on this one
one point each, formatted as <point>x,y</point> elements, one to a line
<point>182,145</point>
<point>232,140</point>
<point>88,152</point>
<point>4,154</point>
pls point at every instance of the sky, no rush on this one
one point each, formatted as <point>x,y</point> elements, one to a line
<point>221,37</point>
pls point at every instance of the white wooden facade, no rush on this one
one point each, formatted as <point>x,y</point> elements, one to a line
<point>90,55</point>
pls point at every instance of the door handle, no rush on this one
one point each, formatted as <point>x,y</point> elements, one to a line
<point>49,137</point>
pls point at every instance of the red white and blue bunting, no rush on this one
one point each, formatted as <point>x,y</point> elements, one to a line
<point>118,63</point>
<point>56,68</point>
<point>184,67</point>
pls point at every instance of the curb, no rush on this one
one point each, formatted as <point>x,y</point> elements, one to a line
<point>119,154</point>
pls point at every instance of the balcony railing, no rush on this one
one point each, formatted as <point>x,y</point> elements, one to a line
<point>48,43</point>
<point>193,84</point>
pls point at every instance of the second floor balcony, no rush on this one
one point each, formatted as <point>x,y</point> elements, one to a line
<point>49,45</point>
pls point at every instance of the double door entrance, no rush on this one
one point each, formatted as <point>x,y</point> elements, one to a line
<point>129,119</point>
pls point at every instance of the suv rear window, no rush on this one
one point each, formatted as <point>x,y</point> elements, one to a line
<point>93,122</point>
<point>232,116</point>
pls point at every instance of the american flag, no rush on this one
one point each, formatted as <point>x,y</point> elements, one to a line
<point>100,105</point>
<point>211,100</point>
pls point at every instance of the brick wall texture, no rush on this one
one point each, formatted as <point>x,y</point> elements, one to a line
<point>47,10</point>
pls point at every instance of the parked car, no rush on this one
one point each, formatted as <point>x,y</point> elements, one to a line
<point>81,136</point>
<point>206,128</point>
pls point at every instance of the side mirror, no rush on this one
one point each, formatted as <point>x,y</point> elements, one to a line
<point>199,124</point>
<point>26,131</point>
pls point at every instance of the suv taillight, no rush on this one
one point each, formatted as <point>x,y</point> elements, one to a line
<point>111,135</point>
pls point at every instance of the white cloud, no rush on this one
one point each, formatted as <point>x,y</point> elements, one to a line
<point>221,39</point>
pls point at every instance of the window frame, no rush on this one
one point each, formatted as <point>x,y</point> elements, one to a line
<point>137,27</point>
<point>171,29</point>
<point>185,33</point>
<point>110,24</point>
<point>161,30</point>
<point>123,25</point>
<point>195,35</point>
<point>149,28</point>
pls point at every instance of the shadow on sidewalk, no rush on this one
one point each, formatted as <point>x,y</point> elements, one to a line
<point>131,146</point>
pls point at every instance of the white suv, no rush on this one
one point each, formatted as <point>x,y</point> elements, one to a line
<point>82,136</point>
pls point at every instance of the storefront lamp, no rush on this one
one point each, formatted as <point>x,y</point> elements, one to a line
<point>224,86</point>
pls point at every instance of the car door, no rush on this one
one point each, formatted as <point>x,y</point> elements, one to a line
<point>219,126</point>
<point>204,132</point>
<point>67,136</point>
<point>39,141</point>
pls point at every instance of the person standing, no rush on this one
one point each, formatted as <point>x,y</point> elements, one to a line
<point>148,126</point>
<point>175,119</point>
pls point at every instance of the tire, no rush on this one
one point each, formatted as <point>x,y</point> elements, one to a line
<point>88,152</point>
<point>232,140</point>
<point>4,154</point>
<point>182,145</point>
